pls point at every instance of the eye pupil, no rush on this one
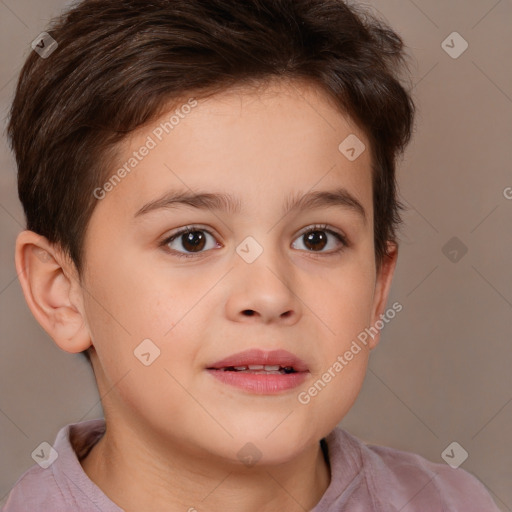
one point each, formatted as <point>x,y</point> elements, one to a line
<point>196,239</point>
<point>317,239</point>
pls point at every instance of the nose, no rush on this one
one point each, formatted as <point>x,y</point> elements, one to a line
<point>263,291</point>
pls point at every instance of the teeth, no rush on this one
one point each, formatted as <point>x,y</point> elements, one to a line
<point>266,367</point>
<point>261,368</point>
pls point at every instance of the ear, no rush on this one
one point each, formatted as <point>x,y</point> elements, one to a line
<point>382,287</point>
<point>52,290</point>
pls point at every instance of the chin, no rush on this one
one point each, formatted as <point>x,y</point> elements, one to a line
<point>270,442</point>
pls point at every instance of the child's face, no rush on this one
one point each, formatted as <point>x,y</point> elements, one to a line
<point>309,296</point>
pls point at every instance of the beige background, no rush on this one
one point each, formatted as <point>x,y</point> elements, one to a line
<point>442,370</point>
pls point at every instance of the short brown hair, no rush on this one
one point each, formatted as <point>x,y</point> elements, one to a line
<point>118,62</point>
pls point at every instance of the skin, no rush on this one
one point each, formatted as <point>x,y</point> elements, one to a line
<point>173,430</point>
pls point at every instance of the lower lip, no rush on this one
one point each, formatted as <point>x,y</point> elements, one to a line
<point>262,384</point>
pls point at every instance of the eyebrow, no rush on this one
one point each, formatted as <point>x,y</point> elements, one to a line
<point>339,197</point>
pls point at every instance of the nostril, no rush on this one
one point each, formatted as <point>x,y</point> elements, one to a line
<point>248,312</point>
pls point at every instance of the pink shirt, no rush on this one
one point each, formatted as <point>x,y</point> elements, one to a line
<point>364,478</point>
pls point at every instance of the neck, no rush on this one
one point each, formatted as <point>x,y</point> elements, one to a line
<point>138,476</point>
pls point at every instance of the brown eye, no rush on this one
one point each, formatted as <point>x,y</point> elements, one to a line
<point>189,241</point>
<point>193,241</point>
<point>318,238</point>
<point>315,240</point>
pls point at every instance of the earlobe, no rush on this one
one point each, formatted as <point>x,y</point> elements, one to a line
<point>52,291</point>
<point>382,287</point>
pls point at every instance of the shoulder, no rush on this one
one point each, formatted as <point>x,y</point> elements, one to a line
<point>62,485</point>
<point>410,483</point>
<point>35,490</point>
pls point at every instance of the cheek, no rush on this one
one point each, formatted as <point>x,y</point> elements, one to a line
<point>126,309</point>
<point>351,309</point>
<point>343,304</point>
<point>136,300</point>
<point>344,307</point>
<point>128,303</point>
<point>337,389</point>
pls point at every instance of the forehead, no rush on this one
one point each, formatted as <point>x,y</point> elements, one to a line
<point>270,142</point>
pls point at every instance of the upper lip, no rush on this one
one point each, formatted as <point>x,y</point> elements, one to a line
<point>262,357</point>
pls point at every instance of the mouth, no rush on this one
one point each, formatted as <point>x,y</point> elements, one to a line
<point>261,372</point>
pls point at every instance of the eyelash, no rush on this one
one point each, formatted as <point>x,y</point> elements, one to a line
<point>317,227</point>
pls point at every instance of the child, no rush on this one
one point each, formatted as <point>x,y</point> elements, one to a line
<point>209,187</point>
